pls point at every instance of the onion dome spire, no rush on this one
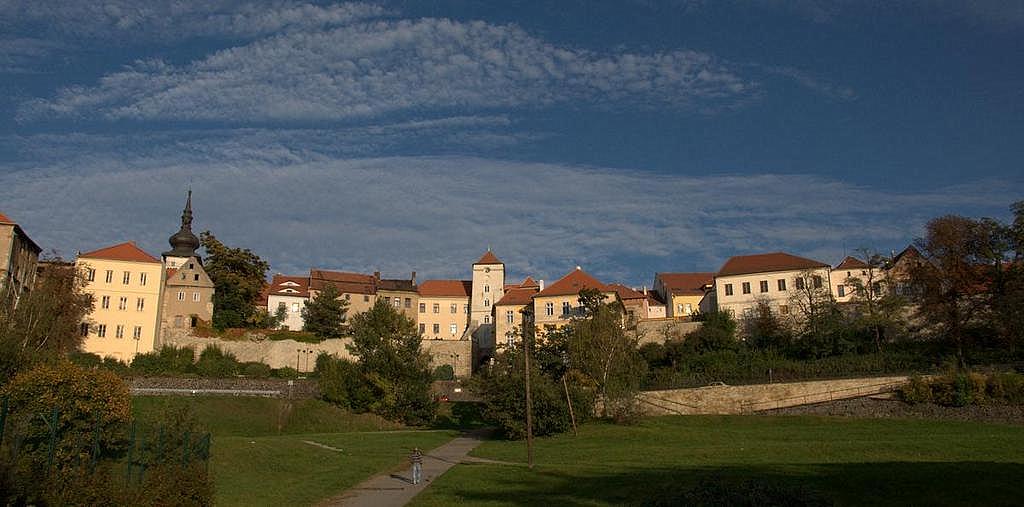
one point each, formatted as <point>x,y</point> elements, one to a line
<point>184,243</point>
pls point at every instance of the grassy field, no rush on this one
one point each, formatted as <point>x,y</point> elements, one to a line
<point>273,452</point>
<point>845,461</point>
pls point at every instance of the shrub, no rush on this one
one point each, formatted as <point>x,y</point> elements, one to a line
<point>1006,387</point>
<point>286,372</point>
<point>254,369</point>
<point>214,362</point>
<point>86,360</point>
<point>342,383</point>
<point>916,391</point>
<point>504,405</point>
<point>444,372</point>
<point>168,360</point>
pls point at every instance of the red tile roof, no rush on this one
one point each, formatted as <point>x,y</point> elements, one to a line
<point>573,283</point>
<point>277,287</point>
<point>685,284</point>
<point>488,258</point>
<point>170,273</point>
<point>352,283</point>
<point>5,220</point>
<point>852,263</point>
<point>529,282</point>
<point>625,292</point>
<point>446,288</point>
<point>654,299</point>
<point>767,263</point>
<point>127,251</point>
<point>517,296</point>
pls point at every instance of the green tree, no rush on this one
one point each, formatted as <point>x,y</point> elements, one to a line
<point>387,344</point>
<point>764,329</point>
<point>877,307</point>
<point>238,276</point>
<point>45,323</point>
<point>324,315</point>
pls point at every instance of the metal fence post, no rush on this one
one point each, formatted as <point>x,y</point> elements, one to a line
<point>52,426</point>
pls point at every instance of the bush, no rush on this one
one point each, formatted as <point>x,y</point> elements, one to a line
<point>342,383</point>
<point>254,369</point>
<point>1006,387</point>
<point>286,373</point>
<point>962,389</point>
<point>504,405</point>
<point>169,360</point>
<point>214,362</point>
<point>916,391</point>
<point>444,372</point>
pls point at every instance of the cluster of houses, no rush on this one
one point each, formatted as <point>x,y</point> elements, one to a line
<point>139,296</point>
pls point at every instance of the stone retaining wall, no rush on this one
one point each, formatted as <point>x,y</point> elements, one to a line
<point>299,388</point>
<point>724,399</point>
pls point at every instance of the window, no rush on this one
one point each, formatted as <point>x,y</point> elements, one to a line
<point>127,277</point>
<point>83,329</point>
<point>799,283</point>
<point>876,288</point>
<point>423,328</point>
<point>423,308</point>
<point>119,331</point>
<point>90,274</point>
<point>195,277</point>
<point>181,295</point>
<point>398,302</point>
<point>101,330</point>
<point>105,302</point>
<point>689,309</point>
<point>764,285</point>
<point>454,308</point>
<point>566,308</point>
<point>142,279</point>
<point>408,302</point>
<point>783,309</point>
<point>183,276</point>
<point>466,308</point>
<point>487,319</point>
<point>387,299</point>
<point>746,287</point>
<point>487,303</point>
<point>817,281</point>
<point>137,332</point>
<point>782,284</point>
<point>842,290</point>
<point>282,307</point>
<point>295,307</point>
<point>195,297</point>
<point>348,297</point>
<point>110,275</point>
<point>679,308</point>
<point>487,288</point>
<point>510,317</point>
<point>436,307</point>
<point>454,328</point>
<point>122,303</point>
<point>549,308</point>
<point>728,289</point>
<point>437,328</point>
<point>140,304</point>
<point>178,322</point>
<point>366,298</point>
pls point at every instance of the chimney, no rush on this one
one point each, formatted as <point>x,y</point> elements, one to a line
<point>413,278</point>
<point>376,275</point>
<point>541,284</point>
<point>645,290</point>
<point>578,268</point>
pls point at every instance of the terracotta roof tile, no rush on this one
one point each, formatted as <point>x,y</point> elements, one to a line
<point>625,292</point>
<point>353,283</point>
<point>654,299</point>
<point>573,283</point>
<point>280,283</point>
<point>396,284</point>
<point>446,288</point>
<point>127,251</point>
<point>767,263</point>
<point>517,296</point>
<point>685,284</point>
<point>852,263</point>
<point>529,283</point>
<point>488,258</point>
<point>5,220</point>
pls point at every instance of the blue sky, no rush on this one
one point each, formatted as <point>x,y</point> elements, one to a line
<point>628,137</point>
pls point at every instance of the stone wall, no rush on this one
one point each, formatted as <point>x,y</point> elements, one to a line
<point>723,399</point>
<point>660,330</point>
<point>302,356</point>
<point>298,388</point>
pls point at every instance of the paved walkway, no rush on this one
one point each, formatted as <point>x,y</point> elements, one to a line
<point>397,489</point>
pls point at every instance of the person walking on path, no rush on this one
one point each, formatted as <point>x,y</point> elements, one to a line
<point>417,465</point>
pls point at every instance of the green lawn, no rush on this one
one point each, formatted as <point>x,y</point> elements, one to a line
<point>847,461</point>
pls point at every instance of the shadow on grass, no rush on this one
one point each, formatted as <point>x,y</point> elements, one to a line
<point>889,483</point>
<point>459,415</point>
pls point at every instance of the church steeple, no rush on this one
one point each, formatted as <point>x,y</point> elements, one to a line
<point>184,243</point>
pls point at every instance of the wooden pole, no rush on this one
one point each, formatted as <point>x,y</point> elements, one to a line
<point>529,406</point>
<point>568,400</point>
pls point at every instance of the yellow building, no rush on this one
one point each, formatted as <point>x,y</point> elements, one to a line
<point>126,284</point>
<point>557,304</point>
<point>514,311</point>
<point>745,280</point>
<point>683,293</point>
<point>444,309</point>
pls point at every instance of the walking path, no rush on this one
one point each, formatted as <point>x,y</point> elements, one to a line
<point>397,489</point>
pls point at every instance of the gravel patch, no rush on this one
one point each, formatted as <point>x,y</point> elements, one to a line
<point>892,408</point>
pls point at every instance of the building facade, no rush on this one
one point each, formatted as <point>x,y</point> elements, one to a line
<point>443,309</point>
<point>514,312</point>
<point>126,284</point>
<point>188,289</point>
<point>683,293</point>
<point>18,258</point>
<point>776,278</point>
<point>291,293</point>
<point>558,303</point>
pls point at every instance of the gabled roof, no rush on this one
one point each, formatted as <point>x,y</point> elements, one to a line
<point>517,296</point>
<point>685,284</point>
<point>280,283</point>
<point>354,283</point>
<point>653,299</point>
<point>446,288</point>
<point>573,283</point>
<point>910,252</point>
<point>127,251</point>
<point>851,262</point>
<point>488,258</point>
<point>529,282</point>
<point>5,220</point>
<point>625,292</point>
<point>396,284</point>
<point>767,263</point>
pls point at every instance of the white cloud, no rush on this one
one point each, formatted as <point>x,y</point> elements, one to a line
<point>371,69</point>
<point>435,215</point>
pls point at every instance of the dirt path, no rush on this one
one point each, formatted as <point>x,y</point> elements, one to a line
<point>396,489</point>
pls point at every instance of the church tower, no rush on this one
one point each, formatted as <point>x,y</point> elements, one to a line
<point>183,243</point>
<point>488,288</point>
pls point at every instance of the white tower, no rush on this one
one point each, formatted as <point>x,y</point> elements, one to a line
<point>488,288</point>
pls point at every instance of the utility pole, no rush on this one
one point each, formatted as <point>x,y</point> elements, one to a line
<point>529,404</point>
<point>568,399</point>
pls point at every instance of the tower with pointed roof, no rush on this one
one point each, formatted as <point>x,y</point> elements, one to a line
<point>184,243</point>
<point>488,287</point>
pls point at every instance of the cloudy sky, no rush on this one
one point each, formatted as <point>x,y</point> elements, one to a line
<point>628,136</point>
